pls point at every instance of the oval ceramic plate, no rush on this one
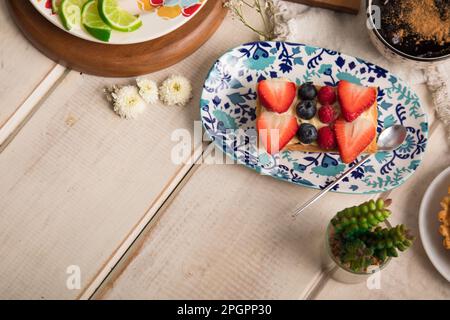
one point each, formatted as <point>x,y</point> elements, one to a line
<point>429,224</point>
<point>228,113</point>
<point>157,21</point>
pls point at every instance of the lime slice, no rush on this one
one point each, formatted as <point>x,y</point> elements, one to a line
<point>116,17</point>
<point>93,23</point>
<point>55,5</point>
<point>70,13</point>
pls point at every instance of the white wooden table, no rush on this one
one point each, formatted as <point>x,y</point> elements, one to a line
<point>81,187</point>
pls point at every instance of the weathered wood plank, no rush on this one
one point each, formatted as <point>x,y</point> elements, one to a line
<point>31,103</point>
<point>22,68</point>
<point>77,181</point>
<point>228,235</point>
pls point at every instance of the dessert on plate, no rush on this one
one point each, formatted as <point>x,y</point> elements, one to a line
<point>313,118</point>
<point>444,218</point>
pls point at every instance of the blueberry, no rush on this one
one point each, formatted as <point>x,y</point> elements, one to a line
<point>307,91</point>
<point>307,133</point>
<point>306,109</point>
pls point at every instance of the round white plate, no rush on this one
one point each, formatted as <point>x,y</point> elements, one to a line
<point>155,25</point>
<point>429,224</point>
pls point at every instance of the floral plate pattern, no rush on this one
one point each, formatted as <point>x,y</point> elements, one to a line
<point>159,18</point>
<point>228,113</point>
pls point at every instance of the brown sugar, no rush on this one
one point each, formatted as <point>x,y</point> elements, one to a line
<point>425,20</point>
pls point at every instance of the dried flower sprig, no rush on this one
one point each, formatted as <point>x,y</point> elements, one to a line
<point>272,13</point>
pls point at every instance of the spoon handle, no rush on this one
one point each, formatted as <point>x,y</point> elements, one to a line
<point>329,187</point>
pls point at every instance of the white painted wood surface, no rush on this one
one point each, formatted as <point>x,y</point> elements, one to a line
<point>228,234</point>
<point>78,182</point>
<point>79,185</point>
<point>22,70</point>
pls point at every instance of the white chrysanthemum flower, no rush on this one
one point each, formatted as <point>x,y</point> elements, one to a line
<point>127,102</point>
<point>148,90</point>
<point>175,90</point>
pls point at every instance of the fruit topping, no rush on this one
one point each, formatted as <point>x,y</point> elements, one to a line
<point>307,133</point>
<point>117,18</point>
<point>326,138</point>
<point>70,13</point>
<point>276,95</point>
<point>327,114</point>
<point>93,23</point>
<point>189,11</point>
<point>307,91</point>
<point>55,6</point>
<point>353,137</point>
<point>276,130</point>
<point>326,95</point>
<point>306,109</point>
<point>355,99</point>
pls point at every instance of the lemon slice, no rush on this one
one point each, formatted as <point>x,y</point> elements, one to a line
<point>116,17</point>
<point>93,23</point>
<point>70,13</point>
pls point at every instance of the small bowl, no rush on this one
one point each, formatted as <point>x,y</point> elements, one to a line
<point>394,54</point>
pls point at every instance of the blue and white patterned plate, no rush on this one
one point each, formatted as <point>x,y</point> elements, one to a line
<point>228,113</point>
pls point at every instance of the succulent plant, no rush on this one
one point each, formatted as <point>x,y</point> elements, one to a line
<point>358,219</point>
<point>386,241</point>
<point>359,242</point>
<point>357,255</point>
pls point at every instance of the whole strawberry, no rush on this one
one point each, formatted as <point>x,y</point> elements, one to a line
<point>327,114</point>
<point>326,138</point>
<point>327,95</point>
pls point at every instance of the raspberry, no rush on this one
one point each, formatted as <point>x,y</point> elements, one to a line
<point>327,114</point>
<point>326,95</point>
<point>326,138</point>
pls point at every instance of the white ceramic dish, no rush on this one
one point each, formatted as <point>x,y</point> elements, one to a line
<point>429,224</point>
<point>155,24</point>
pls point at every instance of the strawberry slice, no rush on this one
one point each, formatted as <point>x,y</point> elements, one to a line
<point>353,137</point>
<point>276,95</point>
<point>275,130</point>
<point>355,99</point>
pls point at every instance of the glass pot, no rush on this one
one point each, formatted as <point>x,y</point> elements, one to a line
<point>342,273</point>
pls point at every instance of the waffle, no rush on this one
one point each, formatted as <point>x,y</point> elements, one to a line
<point>295,145</point>
<point>444,218</point>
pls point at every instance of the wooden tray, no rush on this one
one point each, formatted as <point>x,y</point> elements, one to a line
<point>116,60</point>
<point>350,6</point>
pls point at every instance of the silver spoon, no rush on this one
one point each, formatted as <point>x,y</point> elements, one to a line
<point>389,140</point>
